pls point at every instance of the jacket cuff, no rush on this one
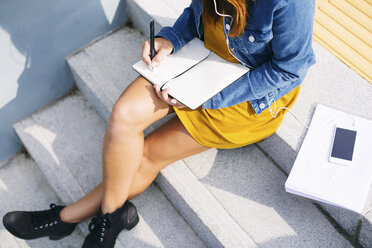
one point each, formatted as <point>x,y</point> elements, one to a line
<point>173,36</point>
<point>208,104</point>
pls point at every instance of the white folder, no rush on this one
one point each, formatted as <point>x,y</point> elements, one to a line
<point>313,176</point>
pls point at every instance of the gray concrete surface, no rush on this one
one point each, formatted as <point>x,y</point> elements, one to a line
<point>200,208</point>
<point>251,189</point>
<point>98,76</point>
<point>24,187</point>
<point>163,12</point>
<point>65,140</point>
<point>365,235</point>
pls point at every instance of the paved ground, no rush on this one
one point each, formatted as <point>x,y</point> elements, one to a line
<point>24,187</point>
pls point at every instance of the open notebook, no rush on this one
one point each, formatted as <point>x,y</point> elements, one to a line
<point>193,74</point>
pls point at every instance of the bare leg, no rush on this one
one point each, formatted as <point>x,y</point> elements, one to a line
<point>165,145</point>
<point>123,143</point>
<point>86,207</point>
<point>137,108</point>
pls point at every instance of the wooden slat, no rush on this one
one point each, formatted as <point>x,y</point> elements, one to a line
<point>344,27</point>
<point>347,22</point>
<point>344,35</point>
<point>353,13</point>
<point>344,53</point>
<point>362,6</point>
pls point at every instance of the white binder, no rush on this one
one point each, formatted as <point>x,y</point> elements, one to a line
<point>313,176</point>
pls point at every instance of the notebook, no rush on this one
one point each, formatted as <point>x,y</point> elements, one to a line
<point>313,176</point>
<point>193,74</point>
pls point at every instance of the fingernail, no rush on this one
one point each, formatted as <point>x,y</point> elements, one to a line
<point>154,64</point>
<point>174,101</point>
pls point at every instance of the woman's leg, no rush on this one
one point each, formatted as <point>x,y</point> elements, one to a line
<point>165,145</point>
<point>122,150</point>
<point>140,92</point>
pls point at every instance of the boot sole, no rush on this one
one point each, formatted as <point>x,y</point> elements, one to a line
<point>129,227</point>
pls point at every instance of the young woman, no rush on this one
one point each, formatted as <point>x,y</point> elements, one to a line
<point>271,37</point>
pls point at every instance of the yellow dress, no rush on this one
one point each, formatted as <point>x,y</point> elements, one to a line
<point>233,126</point>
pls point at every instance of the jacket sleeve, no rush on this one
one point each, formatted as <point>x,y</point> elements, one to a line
<point>183,30</point>
<point>291,45</point>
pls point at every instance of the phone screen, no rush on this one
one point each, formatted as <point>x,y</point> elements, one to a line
<point>343,145</point>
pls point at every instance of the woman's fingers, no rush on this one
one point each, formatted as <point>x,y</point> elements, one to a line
<point>164,96</point>
<point>177,103</point>
<point>163,47</point>
<point>146,52</point>
<point>157,91</point>
<point>160,55</point>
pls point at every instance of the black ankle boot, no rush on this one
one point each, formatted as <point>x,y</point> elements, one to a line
<point>104,229</point>
<point>36,224</point>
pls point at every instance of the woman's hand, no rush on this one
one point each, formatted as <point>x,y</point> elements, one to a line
<point>163,95</point>
<point>163,47</point>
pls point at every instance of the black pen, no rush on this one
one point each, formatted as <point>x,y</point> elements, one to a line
<point>152,40</point>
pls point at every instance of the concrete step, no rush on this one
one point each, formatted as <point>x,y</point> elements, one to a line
<point>163,12</point>
<point>297,220</point>
<point>24,187</point>
<point>65,140</point>
<point>329,82</point>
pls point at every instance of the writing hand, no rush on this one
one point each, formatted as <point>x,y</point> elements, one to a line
<point>163,47</point>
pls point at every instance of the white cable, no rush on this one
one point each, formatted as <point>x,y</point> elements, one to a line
<point>275,113</point>
<point>227,39</point>
<point>218,13</point>
<point>365,213</point>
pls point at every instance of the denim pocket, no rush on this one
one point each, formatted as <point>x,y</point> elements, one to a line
<point>256,41</point>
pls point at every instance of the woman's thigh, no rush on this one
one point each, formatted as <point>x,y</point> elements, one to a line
<point>169,143</point>
<point>138,106</point>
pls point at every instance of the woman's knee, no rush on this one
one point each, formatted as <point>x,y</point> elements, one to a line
<point>137,107</point>
<point>126,116</point>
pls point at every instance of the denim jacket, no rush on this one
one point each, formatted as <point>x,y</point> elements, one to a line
<point>276,45</point>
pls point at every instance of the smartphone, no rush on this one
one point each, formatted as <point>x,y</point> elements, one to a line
<point>343,147</point>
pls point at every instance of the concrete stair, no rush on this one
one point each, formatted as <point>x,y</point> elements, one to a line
<point>240,199</point>
<point>24,187</point>
<point>65,140</point>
